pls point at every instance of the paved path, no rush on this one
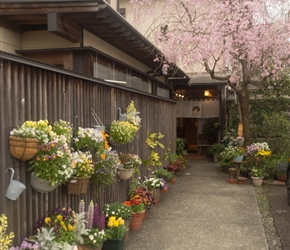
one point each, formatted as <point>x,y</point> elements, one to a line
<point>202,212</point>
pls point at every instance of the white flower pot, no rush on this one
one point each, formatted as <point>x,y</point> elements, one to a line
<point>257,181</point>
<point>125,174</point>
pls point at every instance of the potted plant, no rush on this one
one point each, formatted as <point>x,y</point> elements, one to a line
<point>180,146</point>
<point>258,175</point>
<point>62,228</point>
<point>26,244</point>
<point>214,150</point>
<point>239,141</point>
<point>232,152</point>
<point>154,184</point>
<point>118,209</point>
<point>124,130</point>
<point>115,233</point>
<point>129,164</point>
<point>145,195</point>
<point>94,240</point>
<point>163,173</point>
<point>138,212</point>
<point>153,142</point>
<point>51,166</point>
<point>5,239</point>
<point>83,168</point>
<point>105,169</point>
<point>91,139</point>
<point>24,140</point>
<point>282,170</point>
<point>63,128</point>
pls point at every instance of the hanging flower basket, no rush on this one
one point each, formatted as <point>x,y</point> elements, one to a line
<point>23,148</point>
<point>125,174</point>
<point>77,185</point>
<point>41,185</point>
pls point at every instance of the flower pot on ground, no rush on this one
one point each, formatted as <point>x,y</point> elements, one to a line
<point>257,181</point>
<point>115,233</point>
<point>214,150</point>
<point>138,210</point>
<point>93,240</point>
<point>281,172</point>
<point>139,190</point>
<point>71,226</point>
<point>163,173</point>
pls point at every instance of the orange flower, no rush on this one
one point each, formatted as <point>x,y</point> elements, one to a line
<point>103,156</point>
<point>127,203</point>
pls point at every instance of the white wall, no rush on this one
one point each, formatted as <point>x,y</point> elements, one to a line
<point>10,40</point>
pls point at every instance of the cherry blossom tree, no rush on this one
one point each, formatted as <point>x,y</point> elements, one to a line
<point>242,42</point>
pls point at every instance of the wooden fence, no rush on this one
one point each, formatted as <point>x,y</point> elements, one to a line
<point>34,91</point>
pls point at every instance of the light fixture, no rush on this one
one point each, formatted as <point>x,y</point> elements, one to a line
<point>195,109</point>
<point>206,93</point>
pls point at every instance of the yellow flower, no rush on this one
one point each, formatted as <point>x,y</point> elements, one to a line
<point>116,223</point>
<point>70,227</point>
<point>110,223</point>
<point>59,217</point>
<point>47,220</point>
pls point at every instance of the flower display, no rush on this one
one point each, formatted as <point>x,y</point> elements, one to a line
<point>282,168</point>
<point>132,116</point>
<point>122,132</point>
<point>231,152</point>
<point>116,228</point>
<point>153,182</point>
<point>118,210</point>
<point>163,173</point>
<point>258,172</point>
<point>33,129</point>
<point>95,237</point>
<point>106,166</point>
<point>82,164</point>
<point>259,148</point>
<point>60,229</point>
<point>91,138</point>
<point>136,204</point>
<point>5,239</point>
<point>129,161</point>
<point>144,194</point>
<point>52,163</point>
<point>63,128</point>
<point>27,244</point>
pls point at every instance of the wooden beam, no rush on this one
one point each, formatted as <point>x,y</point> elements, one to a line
<point>64,27</point>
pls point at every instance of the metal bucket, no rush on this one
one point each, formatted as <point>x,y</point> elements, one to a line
<point>15,188</point>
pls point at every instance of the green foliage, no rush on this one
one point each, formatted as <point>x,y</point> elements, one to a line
<point>163,173</point>
<point>211,129</point>
<point>180,146</point>
<point>118,210</point>
<point>153,142</point>
<point>215,148</point>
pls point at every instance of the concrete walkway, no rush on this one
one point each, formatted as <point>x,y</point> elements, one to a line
<point>202,212</point>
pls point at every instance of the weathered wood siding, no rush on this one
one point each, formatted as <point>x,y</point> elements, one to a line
<point>33,91</point>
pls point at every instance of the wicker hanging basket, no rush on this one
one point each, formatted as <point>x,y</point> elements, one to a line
<point>23,148</point>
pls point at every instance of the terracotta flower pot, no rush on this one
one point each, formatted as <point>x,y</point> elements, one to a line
<point>136,221</point>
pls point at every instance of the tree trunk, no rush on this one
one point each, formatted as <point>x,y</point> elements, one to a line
<point>244,109</point>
